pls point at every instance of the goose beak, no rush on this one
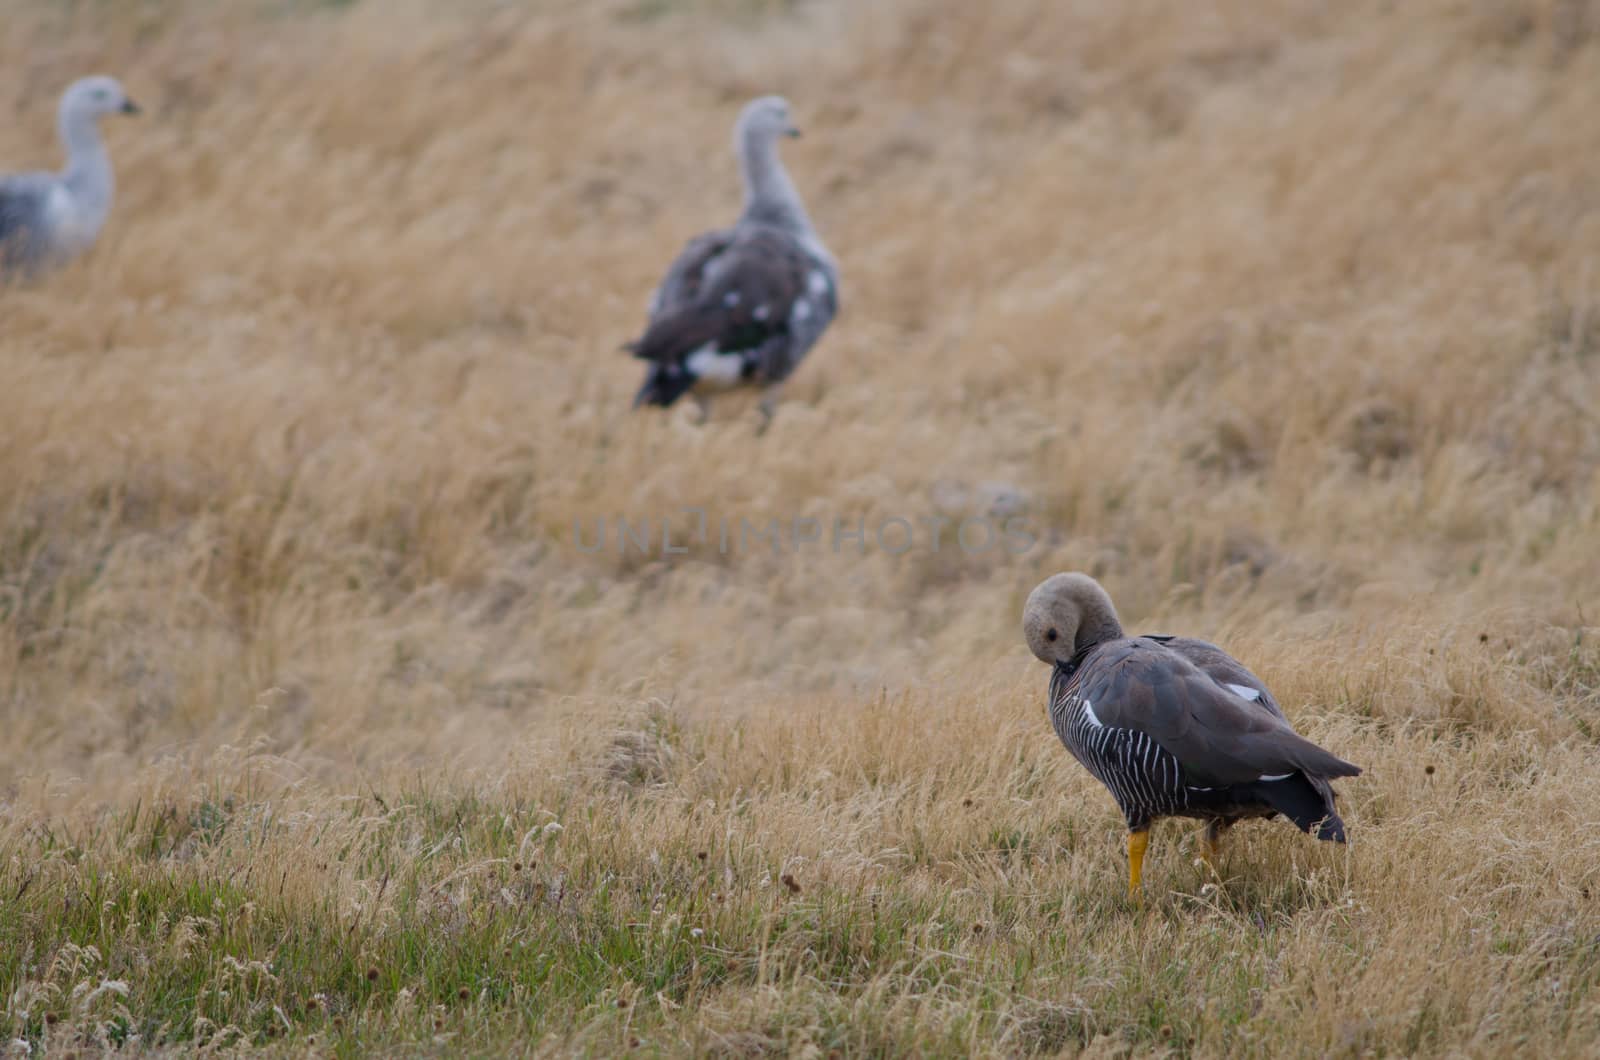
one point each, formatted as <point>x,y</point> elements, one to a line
<point>130,107</point>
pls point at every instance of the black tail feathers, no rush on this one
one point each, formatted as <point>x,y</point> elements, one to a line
<point>664,384</point>
<point>1309,808</point>
<point>1331,829</point>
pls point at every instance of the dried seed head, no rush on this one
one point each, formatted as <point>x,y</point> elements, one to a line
<point>967,803</point>
<point>622,1002</point>
<point>438,1024</point>
<point>977,929</point>
<point>1428,770</point>
<point>702,855</point>
<point>372,975</point>
<point>51,1018</point>
<point>789,882</point>
<point>1483,638</point>
<point>464,994</point>
<point>517,867</point>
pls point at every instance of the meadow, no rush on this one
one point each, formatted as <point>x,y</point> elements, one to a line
<point>322,730</point>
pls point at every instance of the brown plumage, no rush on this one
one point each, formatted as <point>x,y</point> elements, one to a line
<point>1173,727</point>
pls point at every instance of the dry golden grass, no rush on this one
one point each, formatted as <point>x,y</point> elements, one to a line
<point>1278,316</point>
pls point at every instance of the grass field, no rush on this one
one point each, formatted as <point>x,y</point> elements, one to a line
<point>323,730</point>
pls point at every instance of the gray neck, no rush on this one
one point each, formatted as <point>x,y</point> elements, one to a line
<point>769,195</point>
<point>88,174</point>
<point>1098,624</point>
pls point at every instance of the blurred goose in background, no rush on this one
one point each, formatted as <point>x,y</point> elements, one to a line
<point>1173,727</point>
<point>744,304</point>
<point>49,218</point>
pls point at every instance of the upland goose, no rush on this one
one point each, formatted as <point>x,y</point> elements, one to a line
<point>743,305</point>
<point>1173,727</point>
<point>48,218</point>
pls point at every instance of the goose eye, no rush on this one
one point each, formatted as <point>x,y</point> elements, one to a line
<point>1050,635</point>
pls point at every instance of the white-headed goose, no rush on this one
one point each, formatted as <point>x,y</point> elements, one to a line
<point>48,218</point>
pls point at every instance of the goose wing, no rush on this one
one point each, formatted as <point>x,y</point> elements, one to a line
<point>739,296</point>
<point>1217,735</point>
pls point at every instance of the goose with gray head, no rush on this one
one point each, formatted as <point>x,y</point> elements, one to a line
<point>1173,727</point>
<point>49,218</point>
<point>743,305</point>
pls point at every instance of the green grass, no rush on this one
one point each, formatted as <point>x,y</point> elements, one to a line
<point>318,734</point>
<point>476,928</point>
<point>474,942</point>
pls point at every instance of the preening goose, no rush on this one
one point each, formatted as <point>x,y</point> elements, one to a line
<point>1173,727</point>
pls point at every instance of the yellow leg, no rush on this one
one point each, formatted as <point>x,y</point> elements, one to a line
<point>1209,847</point>
<point>1211,843</point>
<point>1137,842</point>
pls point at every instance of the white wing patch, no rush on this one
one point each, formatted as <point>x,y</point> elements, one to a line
<point>801,310</point>
<point>730,299</point>
<point>817,283</point>
<point>1088,712</point>
<point>722,369</point>
<point>1245,692</point>
<point>1275,776</point>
